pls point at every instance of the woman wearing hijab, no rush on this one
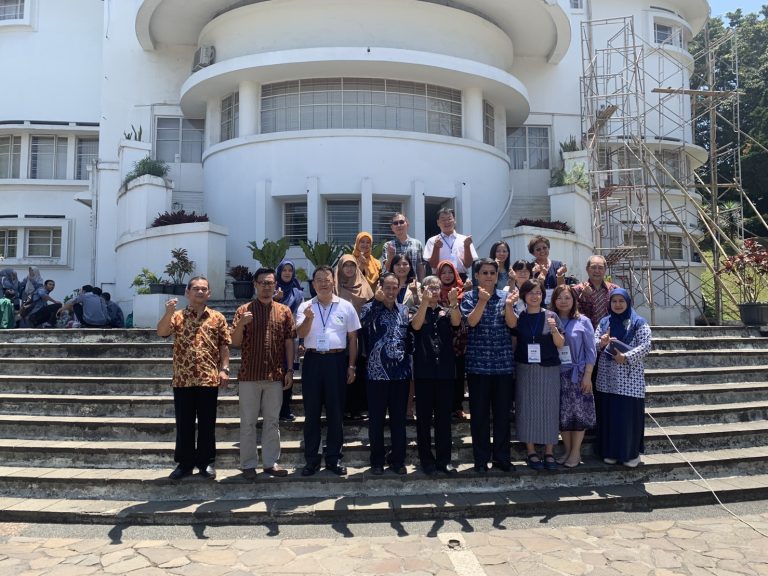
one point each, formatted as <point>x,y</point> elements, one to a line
<point>31,283</point>
<point>369,266</point>
<point>450,279</point>
<point>290,293</point>
<point>353,287</point>
<point>624,339</point>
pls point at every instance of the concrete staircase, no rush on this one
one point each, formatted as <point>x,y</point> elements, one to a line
<point>87,434</point>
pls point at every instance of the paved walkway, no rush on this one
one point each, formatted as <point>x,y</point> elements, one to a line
<point>721,546</point>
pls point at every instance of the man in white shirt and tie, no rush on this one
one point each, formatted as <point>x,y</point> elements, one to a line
<point>450,245</point>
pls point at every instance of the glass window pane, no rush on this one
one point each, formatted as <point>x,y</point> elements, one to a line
<point>8,243</point>
<point>42,157</point>
<point>11,9</point>
<point>382,217</point>
<point>295,221</point>
<point>44,243</point>
<point>343,219</point>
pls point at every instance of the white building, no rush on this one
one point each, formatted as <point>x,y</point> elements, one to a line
<point>300,118</point>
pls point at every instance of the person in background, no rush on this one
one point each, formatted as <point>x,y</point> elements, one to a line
<point>577,359</point>
<point>434,365</point>
<point>116,319</point>
<point>7,310</point>
<point>89,307</point>
<point>551,271</point>
<point>369,266</point>
<point>449,279</point>
<point>32,282</point>
<point>592,295</point>
<point>522,270</point>
<point>409,296</point>
<point>500,253</point>
<point>624,339</point>
<point>289,293</point>
<point>450,245</point>
<point>329,326</point>
<point>404,244</point>
<point>45,307</point>
<point>537,393</point>
<point>352,287</point>
<point>388,342</point>
<point>200,367</point>
<point>9,280</point>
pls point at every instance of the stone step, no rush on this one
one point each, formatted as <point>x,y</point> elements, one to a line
<point>684,394</point>
<point>712,375</point>
<point>134,367</point>
<point>708,413</point>
<point>736,331</point>
<point>706,343</point>
<point>95,335</point>
<point>153,483</point>
<point>87,350</point>
<point>70,432</point>
<point>673,359</point>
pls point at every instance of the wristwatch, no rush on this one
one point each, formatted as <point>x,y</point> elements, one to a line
<point>224,369</point>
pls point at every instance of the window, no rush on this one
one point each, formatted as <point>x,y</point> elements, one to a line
<point>489,129</point>
<point>295,222</point>
<point>639,241</point>
<point>343,220</point>
<point>44,243</point>
<point>11,9</point>
<point>8,242</point>
<point>382,219</point>
<point>48,159</point>
<point>528,147</point>
<point>230,117</point>
<point>577,4</point>
<point>669,34</point>
<point>10,156</point>
<point>179,140</point>
<point>360,103</point>
<point>87,152</point>
<point>671,247</point>
<point>671,161</point>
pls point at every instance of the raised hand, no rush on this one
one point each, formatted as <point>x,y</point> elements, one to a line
<point>244,319</point>
<point>390,251</point>
<point>309,312</point>
<point>483,295</point>
<point>414,287</point>
<point>379,296</point>
<point>605,339</point>
<point>512,298</point>
<point>562,270</point>
<point>438,243</point>
<point>468,241</point>
<point>537,269</point>
<point>170,304</point>
<point>552,323</point>
<point>587,290</point>
<point>278,295</point>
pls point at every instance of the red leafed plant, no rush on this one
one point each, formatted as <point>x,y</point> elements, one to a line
<point>750,269</point>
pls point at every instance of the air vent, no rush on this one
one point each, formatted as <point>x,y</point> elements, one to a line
<point>204,56</point>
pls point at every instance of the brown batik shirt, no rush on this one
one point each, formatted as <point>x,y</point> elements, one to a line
<point>263,347</point>
<point>196,346</point>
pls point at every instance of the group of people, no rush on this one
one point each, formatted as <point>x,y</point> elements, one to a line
<point>29,304</point>
<point>380,335</point>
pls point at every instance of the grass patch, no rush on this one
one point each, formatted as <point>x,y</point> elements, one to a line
<point>730,311</point>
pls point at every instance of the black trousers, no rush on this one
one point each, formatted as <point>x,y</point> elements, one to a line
<point>383,396</point>
<point>324,383</point>
<point>195,404</point>
<point>490,395</point>
<point>434,404</point>
<point>45,314</point>
<point>458,385</point>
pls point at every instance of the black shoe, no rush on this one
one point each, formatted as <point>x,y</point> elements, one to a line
<point>429,470</point>
<point>288,418</point>
<point>310,469</point>
<point>399,470</point>
<point>503,466</point>
<point>481,469</point>
<point>448,469</point>
<point>337,469</point>
<point>208,472</point>
<point>249,474</point>
<point>180,472</point>
<point>377,470</point>
<point>277,471</point>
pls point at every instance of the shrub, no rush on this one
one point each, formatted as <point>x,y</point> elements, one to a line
<point>549,224</point>
<point>146,166</point>
<point>178,217</point>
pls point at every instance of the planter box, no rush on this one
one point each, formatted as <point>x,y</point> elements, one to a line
<point>754,313</point>
<point>242,289</point>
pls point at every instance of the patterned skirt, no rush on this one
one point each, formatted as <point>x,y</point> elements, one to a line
<point>577,410</point>
<point>537,403</point>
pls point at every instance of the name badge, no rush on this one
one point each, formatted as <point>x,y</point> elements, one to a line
<point>548,295</point>
<point>323,343</point>
<point>565,354</point>
<point>534,354</point>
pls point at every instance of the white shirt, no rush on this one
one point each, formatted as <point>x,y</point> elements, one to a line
<point>335,321</point>
<point>452,249</point>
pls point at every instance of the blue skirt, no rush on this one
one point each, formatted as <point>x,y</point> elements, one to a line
<point>621,426</point>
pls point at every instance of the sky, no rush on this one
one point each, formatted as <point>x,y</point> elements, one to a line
<point>720,7</point>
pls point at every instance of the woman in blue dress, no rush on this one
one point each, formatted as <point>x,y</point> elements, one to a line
<point>624,339</point>
<point>577,359</point>
<point>290,293</point>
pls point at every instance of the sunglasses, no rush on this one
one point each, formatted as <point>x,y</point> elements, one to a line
<point>398,222</point>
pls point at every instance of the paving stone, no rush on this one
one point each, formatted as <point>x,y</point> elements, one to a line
<point>159,556</point>
<point>175,563</point>
<point>214,557</point>
<point>118,556</point>
<point>127,565</point>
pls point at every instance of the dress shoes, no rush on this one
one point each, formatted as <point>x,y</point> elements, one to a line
<point>448,469</point>
<point>208,472</point>
<point>277,471</point>
<point>337,469</point>
<point>399,470</point>
<point>377,470</point>
<point>310,469</point>
<point>481,469</point>
<point>503,466</point>
<point>180,472</point>
<point>249,474</point>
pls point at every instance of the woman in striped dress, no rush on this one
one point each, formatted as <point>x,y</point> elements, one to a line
<point>537,394</point>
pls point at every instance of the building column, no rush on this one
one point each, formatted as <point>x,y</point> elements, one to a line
<point>464,208</point>
<point>417,208</point>
<point>250,104</point>
<point>473,114</point>
<point>313,209</point>
<point>366,206</point>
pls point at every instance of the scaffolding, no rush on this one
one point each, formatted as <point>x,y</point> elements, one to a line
<point>639,116</point>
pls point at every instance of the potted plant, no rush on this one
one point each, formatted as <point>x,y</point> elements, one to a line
<point>146,166</point>
<point>147,282</point>
<point>177,217</point>
<point>243,282</point>
<point>179,268</point>
<point>271,253</point>
<point>319,253</point>
<point>749,268</point>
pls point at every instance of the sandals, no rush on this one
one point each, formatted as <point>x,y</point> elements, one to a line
<point>549,462</point>
<point>534,462</point>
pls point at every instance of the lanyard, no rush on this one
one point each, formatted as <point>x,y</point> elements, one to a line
<point>445,239</point>
<point>535,330</point>
<point>327,316</point>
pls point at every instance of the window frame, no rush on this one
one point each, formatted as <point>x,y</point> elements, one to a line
<point>181,128</point>
<point>5,244</point>
<point>22,11</point>
<point>54,247</point>
<point>83,159</point>
<point>381,218</point>
<point>13,156</point>
<point>294,238</point>
<point>489,123</point>
<point>58,156</point>
<point>514,151</point>
<point>229,121</point>
<point>342,238</point>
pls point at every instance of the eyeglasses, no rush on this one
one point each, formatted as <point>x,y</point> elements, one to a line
<point>398,222</point>
<point>199,289</point>
<point>487,273</point>
<point>266,283</point>
<point>596,267</point>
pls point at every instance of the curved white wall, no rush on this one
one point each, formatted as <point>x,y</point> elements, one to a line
<point>246,178</point>
<point>404,24</point>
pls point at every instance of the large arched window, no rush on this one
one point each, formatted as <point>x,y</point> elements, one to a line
<point>351,103</point>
